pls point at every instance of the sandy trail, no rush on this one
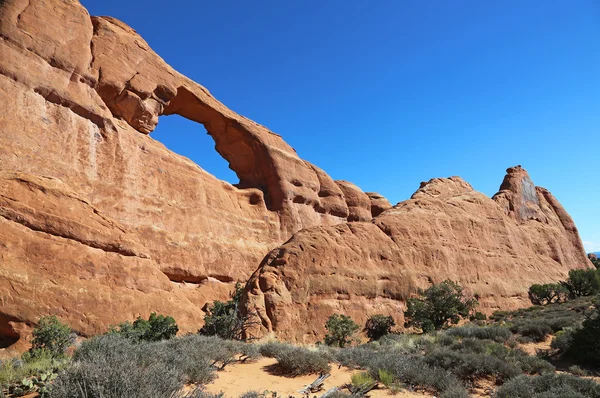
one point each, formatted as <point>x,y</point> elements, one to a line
<point>239,378</point>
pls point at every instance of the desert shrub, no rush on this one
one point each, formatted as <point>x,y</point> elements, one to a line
<point>340,329</point>
<point>52,336</point>
<point>562,341</point>
<point>155,328</point>
<point>437,306</point>
<point>406,368</point>
<point>478,316</point>
<point>584,347</point>
<point>378,326</point>
<point>548,293</point>
<point>272,348</point>
<point>225,320</point>
<point>583,282</point>
<point>252,394</point>
<point>535,330</point>
<point>495,333</point>
<point>361,379</point>
<point>469,366</point>
<point>385,377</point>
<point>112,366</point>
<point>549,386</point>
<point>297,361</point>
<point>30,373</point>
<point>578,371</point>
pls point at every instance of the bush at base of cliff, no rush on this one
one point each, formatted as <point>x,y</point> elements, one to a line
<point>52,336</point>
<point>438,306</point>
<point>378,326</point>
<point>340,329</point>
<point>156,328</point>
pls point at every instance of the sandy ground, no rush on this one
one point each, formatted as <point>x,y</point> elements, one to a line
<point>239,378</point>
<point>531,348</point>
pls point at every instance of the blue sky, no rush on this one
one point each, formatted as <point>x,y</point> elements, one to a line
<point>390,93</point>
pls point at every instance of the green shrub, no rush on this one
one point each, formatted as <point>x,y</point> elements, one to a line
<point>478,316</point>
<point>340,329</point>
<point>225,320</point>
<point>437,306</point>
<point>548,293</point>
<point>562,341</point>
<point>549,386</point>
<point>403,364</point>
<point>584,347</point>
<point>378,326</point>
<point>51,335</point>
<point>361,379</point>
<point>31,373</point>
<point>112,366</point>
<point>495,333</point>
<point>385,377</point>
<point>272,348</point>
<point>535,330</point>
<point>583,282</point>
<point>156,328</point>
<point>298,361</point>
<point>578,371</point>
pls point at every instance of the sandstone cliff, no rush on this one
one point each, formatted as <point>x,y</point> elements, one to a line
<point>495,247</point>
<point>100,223</point>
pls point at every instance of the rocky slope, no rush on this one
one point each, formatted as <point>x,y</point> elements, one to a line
<point>495,247</point>
<point>100,223</point>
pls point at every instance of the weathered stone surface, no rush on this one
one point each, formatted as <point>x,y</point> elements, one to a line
<point>100,223</point>
<point>379,203</point>
<point>359,204</point>
<point>445,231</point>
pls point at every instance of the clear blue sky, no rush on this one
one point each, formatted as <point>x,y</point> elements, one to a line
<point>390,93</point>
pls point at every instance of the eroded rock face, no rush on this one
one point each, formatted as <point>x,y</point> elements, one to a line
<point>495,247</point>
<point>101,223</point>
<point>379,203</point>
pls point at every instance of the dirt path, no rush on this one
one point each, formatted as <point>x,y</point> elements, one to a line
<point>237,379</point>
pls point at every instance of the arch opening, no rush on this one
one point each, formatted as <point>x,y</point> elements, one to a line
<point>190,139</point>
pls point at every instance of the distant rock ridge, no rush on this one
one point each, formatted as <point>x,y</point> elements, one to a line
<point>100,223</point>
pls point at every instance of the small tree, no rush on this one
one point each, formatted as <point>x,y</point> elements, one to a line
<point>548,293</point>
<point>340,329</point>
<point>378,326</point>
<point>437,306</point>
<point>583,282</point>
<point>584,344</point>
<point>224,319</point>
<point>52,335</point>
<point>156,328</point>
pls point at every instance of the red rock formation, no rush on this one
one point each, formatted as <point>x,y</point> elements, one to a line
<point>495,247</point>
<point>379,203</point>
<point>100,223</point>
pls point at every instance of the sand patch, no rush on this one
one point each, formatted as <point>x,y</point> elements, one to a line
<point>239,378</point>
